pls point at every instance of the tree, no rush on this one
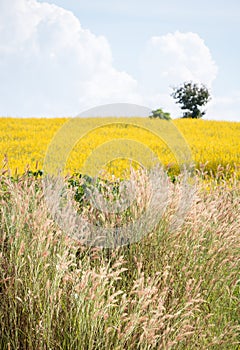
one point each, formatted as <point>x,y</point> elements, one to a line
<point>158,113</point>
<point>191,97</point>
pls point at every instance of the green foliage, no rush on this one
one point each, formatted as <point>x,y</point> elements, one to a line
<point>191,97</point>
<point>81,183</point>
<point>158,113</point>
<point>37,173</point>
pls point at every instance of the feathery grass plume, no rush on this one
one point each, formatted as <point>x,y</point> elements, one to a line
<point>174,289</point>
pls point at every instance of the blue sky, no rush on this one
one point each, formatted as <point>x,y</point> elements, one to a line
<point>58,57</point>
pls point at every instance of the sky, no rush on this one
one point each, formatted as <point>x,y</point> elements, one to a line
<point>59,58</point>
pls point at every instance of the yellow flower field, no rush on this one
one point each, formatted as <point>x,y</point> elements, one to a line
<point>24,142</point>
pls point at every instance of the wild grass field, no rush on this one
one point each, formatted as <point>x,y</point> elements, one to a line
<point>175,288</point>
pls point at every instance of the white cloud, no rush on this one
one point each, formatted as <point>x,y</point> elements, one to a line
<point>51,65</point>
<point>177,57</point>
<point>171,59</point>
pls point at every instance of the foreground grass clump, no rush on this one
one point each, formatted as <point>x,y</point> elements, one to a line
<point>172,290</point>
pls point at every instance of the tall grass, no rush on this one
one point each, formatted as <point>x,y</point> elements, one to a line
<point>172,290</point>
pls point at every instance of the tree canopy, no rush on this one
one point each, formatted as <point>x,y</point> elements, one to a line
<point>191,97</point>
<point>158,113</point>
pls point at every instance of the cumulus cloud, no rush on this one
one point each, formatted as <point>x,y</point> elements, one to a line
<point>51,65</point>
<point>177,57</point>
<point>171,59</point>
